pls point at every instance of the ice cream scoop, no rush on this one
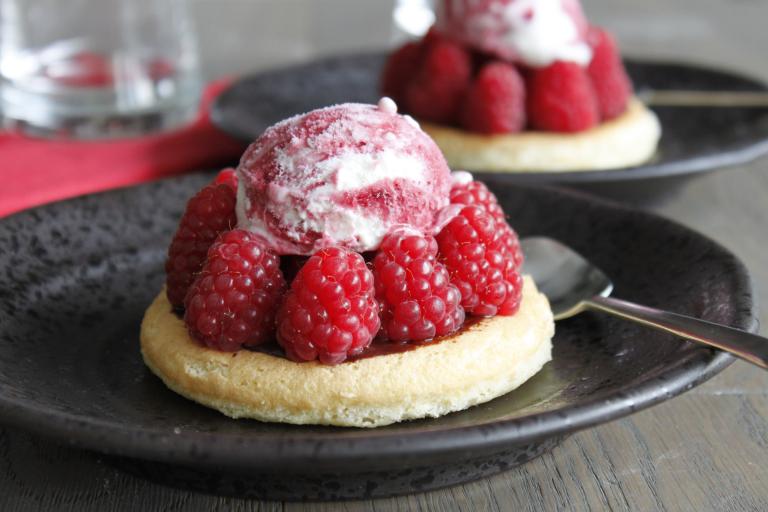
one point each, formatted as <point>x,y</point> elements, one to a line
<point>342,175</point>
<point>531,32</point>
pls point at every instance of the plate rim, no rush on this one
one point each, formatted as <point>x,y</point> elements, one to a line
<point>232,451</point>
<point>696,165</point>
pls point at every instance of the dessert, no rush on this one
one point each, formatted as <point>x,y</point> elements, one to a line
<point>342,275</point>
<point>522,85</point>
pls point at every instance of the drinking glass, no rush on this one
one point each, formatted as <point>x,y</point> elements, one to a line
<point>97,68</point>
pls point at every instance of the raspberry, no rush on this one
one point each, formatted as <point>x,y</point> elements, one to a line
<point>400,68</point>
<point>561,98</point>
<point>330,311</point>
<point>511,243</point>
<point>476,193</point>
<point>227,177</point>
<point>418,301</point>
<point>433,36</point>
<point>208,213</point>
<point>436,92</point>
<point>474,250</point>
<point>495,102</point>
<point>234,299</point>
<point>609,78</point>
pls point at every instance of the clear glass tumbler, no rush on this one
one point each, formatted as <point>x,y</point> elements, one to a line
<point>92,69</point>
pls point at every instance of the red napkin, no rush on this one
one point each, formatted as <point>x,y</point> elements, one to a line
<point>38,171</point>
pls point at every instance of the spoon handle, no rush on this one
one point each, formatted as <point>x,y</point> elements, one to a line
<point>685,98</point>
<point>742,344</point>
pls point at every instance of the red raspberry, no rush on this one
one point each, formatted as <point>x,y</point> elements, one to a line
<point>609,78</point>
<point>400,69</point>
<point>511,243</point>
<point>227,177</point>
<point>436,92</point>
<point>330,311</point>
<point>476,193</point>
<point>417,298</point>
<point>433,36</point>
<point>208,213</point>
<point>561,98</point>
<point>495,102</point>
<point>474,250</point>
<point>234,299</point>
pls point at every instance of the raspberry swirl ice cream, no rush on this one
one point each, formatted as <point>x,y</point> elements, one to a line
<point>532,32</point>
<point>342,175</point>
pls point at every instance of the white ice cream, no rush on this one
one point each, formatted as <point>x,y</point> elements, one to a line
<point>535,32</point>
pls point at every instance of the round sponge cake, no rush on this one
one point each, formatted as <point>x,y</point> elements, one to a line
<point>627,140</point>
<point>483,361</point>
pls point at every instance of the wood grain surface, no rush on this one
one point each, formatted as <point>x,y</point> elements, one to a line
<point>704,450</point>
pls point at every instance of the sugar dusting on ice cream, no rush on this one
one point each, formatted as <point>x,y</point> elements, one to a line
<point>342,175</point>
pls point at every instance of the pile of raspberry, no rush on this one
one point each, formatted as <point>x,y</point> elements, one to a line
<point>438,80</point>
<point>235,292</point>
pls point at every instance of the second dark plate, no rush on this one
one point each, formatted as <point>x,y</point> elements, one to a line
<point>694,140</point>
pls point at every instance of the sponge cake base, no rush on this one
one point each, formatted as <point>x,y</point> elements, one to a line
<point>483,361</point>
<point>628,140</point>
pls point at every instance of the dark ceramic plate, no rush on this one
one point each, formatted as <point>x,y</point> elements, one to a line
<point>694,140</point>
<point>75,278</point>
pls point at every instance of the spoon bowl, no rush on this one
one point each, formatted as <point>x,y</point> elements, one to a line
<point>563,275</point>
<point>573,285</point>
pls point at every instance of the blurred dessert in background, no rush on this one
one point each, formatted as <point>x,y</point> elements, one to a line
<point>522,85</point>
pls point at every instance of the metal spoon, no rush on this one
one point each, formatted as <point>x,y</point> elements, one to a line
<point>572,285</point>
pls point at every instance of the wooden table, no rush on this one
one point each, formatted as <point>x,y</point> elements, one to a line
<point>705,450</point>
